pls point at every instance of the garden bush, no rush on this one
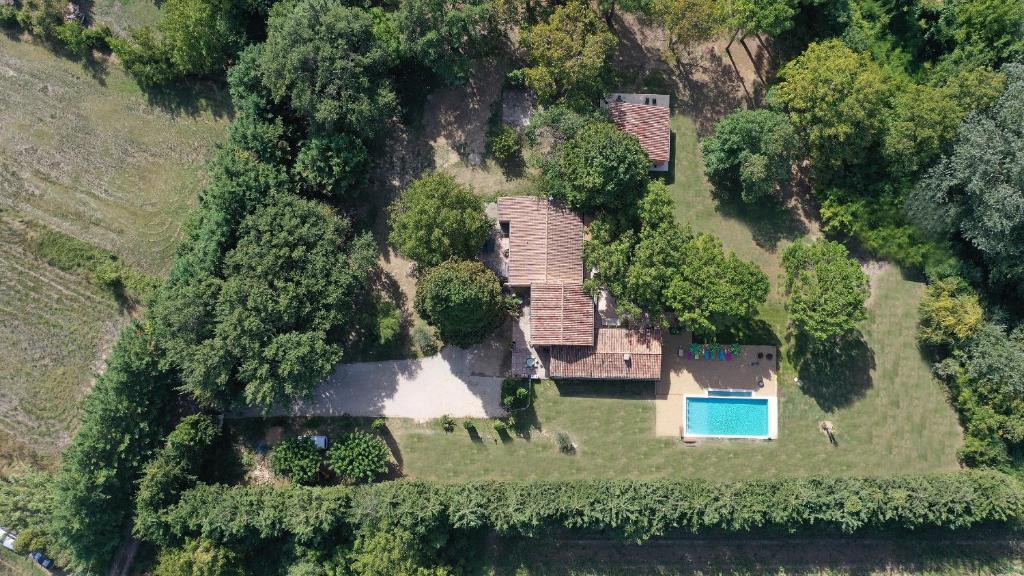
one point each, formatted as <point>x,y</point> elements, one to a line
<point>360,457</point>
<point>565,445</point>
<point>447,423</point>
<point>297,459</point>
<point>506,144</point>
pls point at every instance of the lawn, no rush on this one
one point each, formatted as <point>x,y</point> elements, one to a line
<point>889,414</point>
<point>123,16</point>
<point>87,153</point>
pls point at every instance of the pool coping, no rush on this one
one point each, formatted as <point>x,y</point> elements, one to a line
<point>773,418</point>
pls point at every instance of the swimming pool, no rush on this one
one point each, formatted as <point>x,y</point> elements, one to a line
<point>731,417</point>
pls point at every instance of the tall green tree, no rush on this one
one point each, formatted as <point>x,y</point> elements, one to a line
<point>992,27</point>
<point>198,557</point>
<point>436,219</point>
<point>751,153</point>
<point>836,99</point>
<point>977,191</point>
<point>445,35</point>
<point>950,312</point>
<point>667,272</point>
<point>463,300</point>
<point>599,168</point>
<point>825,288</point>
<point>281,311</point>
<point>325,60</point>
<point>570,56</point>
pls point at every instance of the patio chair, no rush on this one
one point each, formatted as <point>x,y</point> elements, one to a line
<point>721,355</point>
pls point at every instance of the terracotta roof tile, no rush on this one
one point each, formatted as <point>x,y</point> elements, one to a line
<point>607,361</point>
<point>545,241</point>
<point>649,123</point>
<point>561,314</point>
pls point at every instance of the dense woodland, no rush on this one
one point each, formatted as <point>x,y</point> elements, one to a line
<point>907,117</point>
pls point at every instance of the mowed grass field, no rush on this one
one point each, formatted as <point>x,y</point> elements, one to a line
<point>92,157</point>
<point>890,415</point>
<point>89,155</point>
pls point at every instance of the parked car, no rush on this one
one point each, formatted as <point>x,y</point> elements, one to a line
<point>7,538</point>
<point>41,559</point>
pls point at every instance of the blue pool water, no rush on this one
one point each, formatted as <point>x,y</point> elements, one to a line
<point>723,416</point>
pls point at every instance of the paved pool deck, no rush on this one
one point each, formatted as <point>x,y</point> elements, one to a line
<point>681,375</point>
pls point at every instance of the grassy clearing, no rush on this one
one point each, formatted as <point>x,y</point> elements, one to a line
<point>12,564</point>
<point>123,16</point>
<point>87,153</point>
<point>738,557</point>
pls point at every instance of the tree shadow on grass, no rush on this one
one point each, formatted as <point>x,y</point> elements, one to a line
<point>619,389</point>
<point>835,374</point>
<point>192,98</point>
<point>770,221</point>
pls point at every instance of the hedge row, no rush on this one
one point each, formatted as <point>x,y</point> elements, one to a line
<point>637,510</point>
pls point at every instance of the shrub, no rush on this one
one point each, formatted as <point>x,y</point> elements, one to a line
<point>424,340</point>
<point>198,558</point>
<point>500,427</point>
<point>379,424</point>
<point>463,300</point>
<point>950,312</point>
<point>360,457</point>
<point>506,144</point>
<point>750,153</point>
<point>333,166</point>
<point>565,445</point>
<point>296,459</point>
<point>469,425</point>
<point>8,16</point>
<point>436,219</point>
<point>447,423</point>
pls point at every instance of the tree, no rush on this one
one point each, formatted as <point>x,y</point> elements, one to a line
<point>751,153</point>
<point>836,99</point>
<point>922,122</point>
<point>950,312</point>
<point>296,459</point>
<point>198,557</point>
<point>436,219</point>
<point>600,168</point>
<point>771,17</point>
<point>174,469</point>
<point>360,457</point>
<point>666,271</point>
<point>391,553</point>
<point>689,23</point>
<point>201,36</point>
<point>281,309</point>
<point>994,27</point>
<point>977,191</point>
<point>463,300</point>
<point>324,59</point>
<point>569,56</point>
<point>124,417</point>
<point>826,290</point>
<point>333,165</point>
<point>445,35</point>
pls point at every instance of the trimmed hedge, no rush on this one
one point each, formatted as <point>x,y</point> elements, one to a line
<point>637,510</point>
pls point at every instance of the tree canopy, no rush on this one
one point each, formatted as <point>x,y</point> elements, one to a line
<point>836,99</point>
<point>463,300</point>
<point>826,289</point>
<point>599,168</point>
<point>444,35</point>
<point>569,55</point>
<point>436,219</point>
<point>750,154</point>
<point>324,58</point>
<point>667,272</point>
<point>977,191</point>
<point>950,312</point>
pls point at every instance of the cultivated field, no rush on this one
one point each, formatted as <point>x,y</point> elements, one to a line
<point>54,327</point>
<point>85,152</point>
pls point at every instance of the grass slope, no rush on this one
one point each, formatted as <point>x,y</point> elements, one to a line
<point>53,329</point>
<point>88,154</point>
<point>84,152</point>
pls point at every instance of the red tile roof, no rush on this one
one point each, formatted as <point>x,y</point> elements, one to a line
<point>545,241</point>
<point>561,315</point>
<point>648,123</point>
<point>607,360</point>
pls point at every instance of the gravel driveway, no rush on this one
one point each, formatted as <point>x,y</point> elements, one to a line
<point>457,382</point>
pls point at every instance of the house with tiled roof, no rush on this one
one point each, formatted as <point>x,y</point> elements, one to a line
<point>648,117</point>
<point>558,334</point>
